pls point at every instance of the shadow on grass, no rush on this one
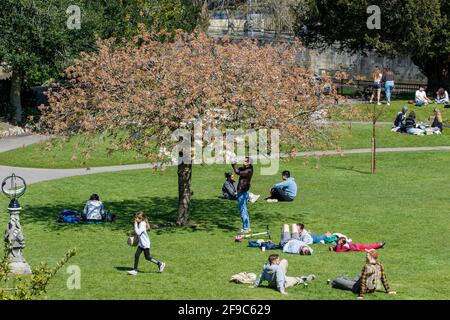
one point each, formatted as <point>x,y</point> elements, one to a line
<point>351,169</point>
<point>206,214</point>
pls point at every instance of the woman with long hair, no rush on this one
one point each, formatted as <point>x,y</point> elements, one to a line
<point>377,76</point>
<point>438,122</point>
<point>442,96</point>
<point>141,227</point>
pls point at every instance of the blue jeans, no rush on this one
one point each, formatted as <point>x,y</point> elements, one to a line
<point>420,103</point>
<point>242,203</point>
<point>316,238</point>
<point>388,87</point>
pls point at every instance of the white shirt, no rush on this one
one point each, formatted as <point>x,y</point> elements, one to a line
<point>141,232</point>
<point>421,95</point>
<point>93,210</point>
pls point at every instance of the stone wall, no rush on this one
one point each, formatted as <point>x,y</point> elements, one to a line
<point>330,60</point>
<point>362,66</point>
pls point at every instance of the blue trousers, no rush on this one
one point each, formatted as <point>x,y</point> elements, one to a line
<point>388,87</point>
<point>242,203</point>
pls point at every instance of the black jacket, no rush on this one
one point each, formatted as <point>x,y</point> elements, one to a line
<point>245,177</point>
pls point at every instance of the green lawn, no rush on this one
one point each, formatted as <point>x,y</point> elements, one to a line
<point>359,136</point>
<point>405,204</point>
<point>422,113</point>
<point>62,156</point>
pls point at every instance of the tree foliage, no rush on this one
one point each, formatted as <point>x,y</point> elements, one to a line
<point>28,287</point>
<point>149,89</point>
<point>416,28</point>
<point>37,45</point>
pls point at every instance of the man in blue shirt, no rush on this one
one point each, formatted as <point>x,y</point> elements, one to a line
<point>283,191</point>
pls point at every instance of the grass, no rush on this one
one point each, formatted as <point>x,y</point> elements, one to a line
<point>422,113</point>
<point>359,136</point>
<point>63,155</point>
<point>405,204</point>
<point>69,155</point>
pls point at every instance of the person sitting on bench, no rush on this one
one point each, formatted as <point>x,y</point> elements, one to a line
<point>283,191</point>
<point>274,272</point>
<point>293,244</point>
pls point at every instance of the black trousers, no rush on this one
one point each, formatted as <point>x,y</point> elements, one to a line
<point>280,195</point>
<point>147,256</point>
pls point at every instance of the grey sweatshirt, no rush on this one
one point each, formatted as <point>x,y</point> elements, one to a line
<point>274,275</point>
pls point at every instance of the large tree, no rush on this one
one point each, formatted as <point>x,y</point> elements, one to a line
<point>37,45</point>
<point>143,91</point>
<point>416,28</point>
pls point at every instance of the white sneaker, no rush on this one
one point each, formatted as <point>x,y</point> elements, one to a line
<point>379,103</point>
<point>388,104</point>
<point>272,200</point>
<point>132,273</point>
<point>162,266</point>
<point>254,198</point>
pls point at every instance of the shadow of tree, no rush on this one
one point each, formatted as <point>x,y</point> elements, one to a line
<point>351,169</point>
<point>206,214</point>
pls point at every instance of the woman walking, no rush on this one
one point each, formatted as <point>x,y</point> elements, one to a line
<point>141,227</point>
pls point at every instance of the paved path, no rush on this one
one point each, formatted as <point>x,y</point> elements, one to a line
<point>16,142</point>
<point>33,175</point>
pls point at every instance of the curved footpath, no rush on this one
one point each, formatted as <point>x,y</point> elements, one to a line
<point>34,175</point>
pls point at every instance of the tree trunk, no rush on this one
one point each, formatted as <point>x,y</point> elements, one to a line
<point>15,97</point>
<point>184,193</point>
<point>374,148</point>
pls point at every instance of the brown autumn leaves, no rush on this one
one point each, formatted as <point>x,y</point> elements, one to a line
<point>142,90</point>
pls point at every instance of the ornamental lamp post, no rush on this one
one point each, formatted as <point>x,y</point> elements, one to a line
<point>14,187</point>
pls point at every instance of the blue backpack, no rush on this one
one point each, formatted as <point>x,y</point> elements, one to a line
<point>69,216</point>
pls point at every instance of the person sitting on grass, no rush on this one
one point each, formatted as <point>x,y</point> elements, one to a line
<point>274,272</point>
<point>343,245</point>
<point>411,125</point>
<point>285,190</point>
<point>400,121</point>
<point>293,244</point>
<point>94,209</point>
<point>421,97</point>
<point>369,281</point>
<point>442,96</point>
<point>438,124</point>
<point>229,189</point>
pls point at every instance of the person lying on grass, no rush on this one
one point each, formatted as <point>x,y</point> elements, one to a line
<point>311,238</point>
<point>274,272</point>
<point>293,244</point>
<point>343,245</point>
<point>285,190</point>
<point>369,281</point>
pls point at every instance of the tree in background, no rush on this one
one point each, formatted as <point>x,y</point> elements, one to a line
<point>416,28</point>
<point>37,45</point>
<point>149,89</point>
